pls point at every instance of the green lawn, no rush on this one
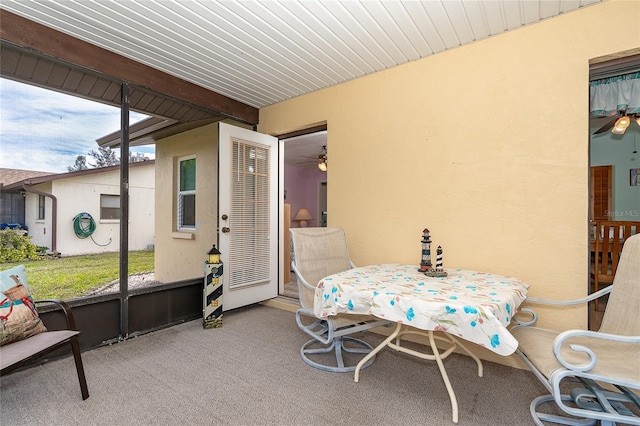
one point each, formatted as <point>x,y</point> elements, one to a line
<point>75,276</point>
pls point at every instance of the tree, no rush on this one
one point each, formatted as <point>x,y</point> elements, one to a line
<point>136,157</point>
<point>104,157</point>
<point>80,164</point>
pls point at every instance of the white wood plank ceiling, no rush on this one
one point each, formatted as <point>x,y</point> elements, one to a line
<point>263,52</point>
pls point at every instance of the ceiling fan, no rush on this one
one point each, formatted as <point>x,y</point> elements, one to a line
<point>321,159</point>
<point>619,123</point>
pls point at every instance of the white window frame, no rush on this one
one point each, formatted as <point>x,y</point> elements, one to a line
<point>107,202</point>
<point>180,197</point>
<point>42,207</point>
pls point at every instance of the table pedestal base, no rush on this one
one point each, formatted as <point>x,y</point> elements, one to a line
<point>437,356</point>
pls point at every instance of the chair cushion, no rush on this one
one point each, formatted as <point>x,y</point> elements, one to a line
<point>616,360</point>
<point>19,318</point>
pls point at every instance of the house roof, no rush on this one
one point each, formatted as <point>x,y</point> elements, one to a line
<point>9,176</point>
<point>35,179</point>
<point>150,130</point>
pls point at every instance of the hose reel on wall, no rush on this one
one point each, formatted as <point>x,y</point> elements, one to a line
<point>84,226</point>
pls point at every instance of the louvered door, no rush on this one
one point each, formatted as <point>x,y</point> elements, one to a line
<point>248,209</point>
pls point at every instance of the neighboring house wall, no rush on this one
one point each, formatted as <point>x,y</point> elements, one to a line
<point>81,194</point>
<point>40,230</point>
<point>181,255</point>
<point>487,145</point>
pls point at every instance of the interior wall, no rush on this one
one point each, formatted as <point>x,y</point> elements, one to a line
<point>618,150</point>
<point>487,145</point>
<point>301,185</point>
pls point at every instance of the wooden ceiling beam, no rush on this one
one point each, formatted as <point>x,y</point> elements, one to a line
<point>31,36</point>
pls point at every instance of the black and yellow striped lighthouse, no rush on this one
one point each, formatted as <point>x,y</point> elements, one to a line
<point>212,310</point>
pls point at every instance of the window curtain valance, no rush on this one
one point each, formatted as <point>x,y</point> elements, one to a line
<point>611,95</point>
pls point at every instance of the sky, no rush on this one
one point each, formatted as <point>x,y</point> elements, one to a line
<point>43,130</point>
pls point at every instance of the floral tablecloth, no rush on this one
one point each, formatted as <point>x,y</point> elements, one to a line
<point>474,306</point>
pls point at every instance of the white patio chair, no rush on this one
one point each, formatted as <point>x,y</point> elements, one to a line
<point>319,252</point>
<point>603,364</point>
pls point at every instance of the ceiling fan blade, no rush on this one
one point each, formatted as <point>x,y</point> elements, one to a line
<point>607,126</point>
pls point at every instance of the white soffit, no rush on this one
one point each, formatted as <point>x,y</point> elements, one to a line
<point>264,52</point>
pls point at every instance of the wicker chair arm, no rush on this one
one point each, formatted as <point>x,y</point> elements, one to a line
<point>587,299</point>
<point>304,282</point>
<point>301,279</point>
<point>593,359</point>
<point>517,319</point>
<point>534,316</point>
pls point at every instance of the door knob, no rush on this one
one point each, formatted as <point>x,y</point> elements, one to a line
<point>226,230</point>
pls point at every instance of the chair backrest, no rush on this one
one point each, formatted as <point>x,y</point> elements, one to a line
<point>623,307</point>
<point>317,252</point>
<point>610,237</point>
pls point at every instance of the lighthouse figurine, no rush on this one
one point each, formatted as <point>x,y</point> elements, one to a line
<point>212,306</point>
<point>425,264</point>
<point>439,267</point>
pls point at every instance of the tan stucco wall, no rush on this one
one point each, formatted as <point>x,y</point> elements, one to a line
<point>181,255</point>
<point>81,194</point>
<point>486,145</point>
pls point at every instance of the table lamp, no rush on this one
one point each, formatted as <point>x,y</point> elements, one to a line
<point>303,216</point>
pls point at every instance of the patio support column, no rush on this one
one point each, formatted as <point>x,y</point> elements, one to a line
<point>124,212</point>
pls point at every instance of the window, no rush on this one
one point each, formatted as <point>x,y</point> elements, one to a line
<point>41,204</point>
<point>109,206</point>
<point>186,193</point>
